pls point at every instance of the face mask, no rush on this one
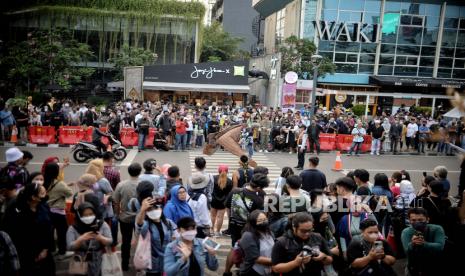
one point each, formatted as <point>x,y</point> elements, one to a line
<point>263,226</point>
<point>39,182</point>
<point>420,225</point>
<point>88,220</point>
<point>372,237</point>
<point>154,214</point>
<point>189,235</point>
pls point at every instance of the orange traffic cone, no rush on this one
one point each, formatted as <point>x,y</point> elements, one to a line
<point>338,163</point>
<point>14,135</point>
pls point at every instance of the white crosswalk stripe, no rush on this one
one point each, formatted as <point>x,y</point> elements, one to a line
<point>232,161</point>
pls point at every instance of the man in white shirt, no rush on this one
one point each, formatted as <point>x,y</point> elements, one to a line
<point>301,147</point>
<point>358,133</point>
<point>412,129</point>
<point>150,175</point>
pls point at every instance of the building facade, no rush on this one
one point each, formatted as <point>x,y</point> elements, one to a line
<point>169,29</point>
<point>239,19</point>
<point>387,53</point>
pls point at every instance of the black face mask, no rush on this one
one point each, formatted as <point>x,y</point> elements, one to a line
<point>420,226</point>
<point>263,226</point>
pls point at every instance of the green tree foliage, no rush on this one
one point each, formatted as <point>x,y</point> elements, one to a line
<point>218,45</point>
<point>359,109</point>
<point>132,56</point>
<point>46,57</point>
<point>296,56</point>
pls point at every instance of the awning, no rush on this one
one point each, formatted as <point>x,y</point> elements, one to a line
<point>196,87</point>
<point>417,82</point>
<point>267,7</point>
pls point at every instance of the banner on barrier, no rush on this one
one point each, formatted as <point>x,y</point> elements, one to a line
<point>41,134</point>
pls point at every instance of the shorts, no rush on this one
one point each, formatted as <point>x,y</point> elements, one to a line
<point>236,233</point>
<point>216,204</point>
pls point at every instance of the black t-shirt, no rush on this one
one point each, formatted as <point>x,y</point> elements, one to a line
<point>313,179</point>
<point>287,247</point>
<point>213,126</point>
<point>377,132</point>
<point>159,226</point>
<point>359,248</point>
<point>218,193</point>
<point>194,268</point>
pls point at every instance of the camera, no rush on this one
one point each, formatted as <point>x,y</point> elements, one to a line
<point>309,251</point>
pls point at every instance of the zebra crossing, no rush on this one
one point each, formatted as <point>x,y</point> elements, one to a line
<point>232,161</point>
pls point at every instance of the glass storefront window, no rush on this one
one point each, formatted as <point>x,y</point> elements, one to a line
<point>459,74</point>
<point>392,6</point>
<point>330,4</point>
<point>430,36</point>
<point>371,18</point>
<point>409,35</point>
<point>427,61</point>
<point>452,23</point>
<point>346,68</point>
<point>405,71</point>
<point>447,52</point>
<point>461,38</point>
<point>459,63</point>
<point>368,48</point>
<point>431,9</point>
<point>385,70</point>
<point>366,69</point>
<point>388,48</point>
<point>431,21</point>
<point>444,73</point>
<point>408,50</point>
<point>367,58</point>
<point>428,51</point>
<point>329,15</point>
<point>449,37</point>
<point>452,11</point>
<point>445,62</point>
<point>386,59</point>
<point>425,72</point>
<point>347,46</point>
<point>373,6</point>
<point>460,53</point>
<point>326,45</point>
<point>353,5</point>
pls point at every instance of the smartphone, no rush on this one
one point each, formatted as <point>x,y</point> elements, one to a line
<point>378,245</point>
<point>210,243</point>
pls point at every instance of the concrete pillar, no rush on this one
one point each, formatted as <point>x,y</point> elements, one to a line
<point>433,107</point>
<point>366,106</point>
<point>439,42</point>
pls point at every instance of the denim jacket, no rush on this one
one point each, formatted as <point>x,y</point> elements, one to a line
<point>174,265</point>
<point>158,249</point>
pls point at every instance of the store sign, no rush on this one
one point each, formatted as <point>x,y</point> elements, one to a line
<point>229,73</point>
<point>347,31</point>
<point>289,94</point>
<point>417,82</point>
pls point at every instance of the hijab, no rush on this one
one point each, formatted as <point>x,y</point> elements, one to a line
<point>180,208</point>
<point>407,194</point>
<point>81,227</point>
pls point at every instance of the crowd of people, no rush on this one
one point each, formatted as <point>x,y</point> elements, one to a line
<point>304,226</point>
<point>186,126</point>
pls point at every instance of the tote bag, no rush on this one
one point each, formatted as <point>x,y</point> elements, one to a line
<point>143,254</point>
<point>111,264</point>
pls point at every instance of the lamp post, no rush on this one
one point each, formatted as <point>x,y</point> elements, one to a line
<point>316,60</point>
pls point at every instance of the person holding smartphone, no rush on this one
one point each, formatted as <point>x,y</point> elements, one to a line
<point>368,253</point>
<point>186,255</point>
<point>151,221</point>
<point>88,237</point>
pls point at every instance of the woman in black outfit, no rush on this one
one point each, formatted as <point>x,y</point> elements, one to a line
<point>29,225</point>
<point>221,189</point>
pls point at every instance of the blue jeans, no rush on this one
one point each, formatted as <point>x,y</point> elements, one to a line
<point>355,144</point>
<point>250,150</point>
<point>188,139</point>
<point>180,140</point>
<point>142,138</point>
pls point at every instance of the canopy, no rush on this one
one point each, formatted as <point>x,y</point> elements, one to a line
<point>455,113</point>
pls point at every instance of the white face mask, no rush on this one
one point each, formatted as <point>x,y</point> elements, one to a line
<point>189,235</point>
<point>88,220</point>
<point>373,237</point>
<point>154,214</point>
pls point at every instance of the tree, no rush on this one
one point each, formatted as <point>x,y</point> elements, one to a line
<point>296,56</point>
<point>46,58</point>
<point>132,56</point>
<point>218,45</point>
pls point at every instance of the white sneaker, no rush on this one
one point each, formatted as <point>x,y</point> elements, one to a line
<point>371,153</point>
<point>290,152</point>
<point>266,151</point>
<point>260,151</point>
<point>377,153</point>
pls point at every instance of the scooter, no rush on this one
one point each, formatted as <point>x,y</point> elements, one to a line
<point>83,151</point>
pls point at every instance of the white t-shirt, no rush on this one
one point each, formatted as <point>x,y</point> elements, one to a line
<point>411,129</point>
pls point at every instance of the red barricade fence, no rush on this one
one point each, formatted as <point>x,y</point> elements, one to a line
<point>366,146</point>
<point>41,134</point>
<point>70,135</point>
<point>327,141</point>
<point>344,141</point>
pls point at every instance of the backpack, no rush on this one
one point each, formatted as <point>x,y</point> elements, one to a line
<point>239,208</point>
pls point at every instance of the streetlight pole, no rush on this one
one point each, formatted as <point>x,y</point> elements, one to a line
<point>316,60</point>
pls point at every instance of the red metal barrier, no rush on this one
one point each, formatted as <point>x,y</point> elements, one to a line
<point>327,141</point>
<point>149,139</point>
<point>128,137</point>
<point>70,135</point>
<point>343,142</point>
<point>366,146</point>
<point>41,134</point>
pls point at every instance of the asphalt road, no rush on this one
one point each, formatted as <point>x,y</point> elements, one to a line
<point>414,164</point>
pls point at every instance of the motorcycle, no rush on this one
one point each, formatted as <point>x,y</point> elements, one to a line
<point>83,151</point>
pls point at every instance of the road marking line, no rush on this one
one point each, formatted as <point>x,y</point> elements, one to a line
<point>131,156</point>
